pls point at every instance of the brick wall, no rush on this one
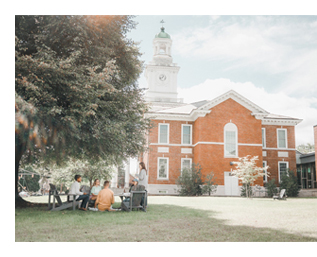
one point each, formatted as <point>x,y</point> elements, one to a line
<point>272,157</point>
<point>211,129</point>
<point>174,154</point>
<point>207,132</point>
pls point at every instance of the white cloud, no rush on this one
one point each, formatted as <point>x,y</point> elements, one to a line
<point>284,45</point>
<point>276,103</point>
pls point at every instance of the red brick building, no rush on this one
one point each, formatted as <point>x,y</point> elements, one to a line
<point>213,133</point>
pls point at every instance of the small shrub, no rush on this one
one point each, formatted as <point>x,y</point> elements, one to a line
<point>209,185</point>
<point>190,181</point>
<point>271,187</point>
<point>290,183</point>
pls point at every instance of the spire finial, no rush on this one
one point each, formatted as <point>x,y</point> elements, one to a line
<point>162,21</point>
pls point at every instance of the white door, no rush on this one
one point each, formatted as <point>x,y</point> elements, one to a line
<point>231,185</point>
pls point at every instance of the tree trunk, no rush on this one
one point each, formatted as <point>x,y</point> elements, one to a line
<point>19,150</point>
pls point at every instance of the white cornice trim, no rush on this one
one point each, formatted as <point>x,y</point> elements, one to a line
<point>183,117</point>
<point>281,122</point>
<point>209,143</point>
<point>280,149</point>
<point>259,116</point>
<point>236,97</point>
<point>204,143</point>
<point>244,144</point>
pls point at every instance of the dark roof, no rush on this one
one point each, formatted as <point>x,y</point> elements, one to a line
<point>304,155</point>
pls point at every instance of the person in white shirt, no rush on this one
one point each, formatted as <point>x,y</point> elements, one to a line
<point>74,190</point>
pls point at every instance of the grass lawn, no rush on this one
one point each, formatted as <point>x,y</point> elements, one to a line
<point>176,219</point>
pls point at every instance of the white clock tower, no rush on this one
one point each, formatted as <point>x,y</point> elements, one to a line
<point>161,72</point>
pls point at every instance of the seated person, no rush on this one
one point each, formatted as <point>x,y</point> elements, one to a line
<point>133,187</point>
<point>74,190</point>
<point>96,188</point>
<point>105,198</point>
<point>137,198</point>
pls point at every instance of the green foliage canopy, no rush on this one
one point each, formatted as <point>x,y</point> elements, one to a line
<point>76,86</point>
<point>75,89</point>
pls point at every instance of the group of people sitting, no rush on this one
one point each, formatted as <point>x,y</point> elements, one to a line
<point>104,197</point>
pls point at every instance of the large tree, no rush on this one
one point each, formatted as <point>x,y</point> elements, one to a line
<point>75,89</point>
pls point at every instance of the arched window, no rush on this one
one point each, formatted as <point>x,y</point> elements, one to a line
<point>231,140</point>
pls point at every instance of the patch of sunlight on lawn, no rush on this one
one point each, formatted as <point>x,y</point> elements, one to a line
<point>295,215</point>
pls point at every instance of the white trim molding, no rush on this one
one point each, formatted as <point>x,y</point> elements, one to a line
<point>159,133</point>
<point>278,145</point>
<point>282,154</point>
<point>213,143</point>
<point>231,127</point>
<point>191,134</point>
<point>239,99</point>
<point>246,144</point>
<point>279,171</point>
<point>264,139</point>
<point>209,143</point>
<point>186,159</point>
<point>158,168</point>
<point>163,149</point>
<point>284,149</point>
<point>281,122</point>
<point>180,117</point>
<point>187,150</point>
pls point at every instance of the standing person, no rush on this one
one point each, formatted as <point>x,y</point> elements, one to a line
<point>143,178</point>
<point>96,188</point>
<point>74,190</point>
<point>105,198</point>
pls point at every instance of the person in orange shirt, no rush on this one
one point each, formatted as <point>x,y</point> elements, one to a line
<point>105,198</point>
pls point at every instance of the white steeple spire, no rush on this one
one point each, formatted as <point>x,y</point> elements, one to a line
<point>161,72</point>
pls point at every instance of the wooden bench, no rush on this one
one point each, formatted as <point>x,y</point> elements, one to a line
<point>63,205</point>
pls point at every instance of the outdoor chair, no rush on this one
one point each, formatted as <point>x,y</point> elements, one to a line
<point>61,205</point>
<point>135,200</point>
<point>280,196</point>
<point>64,205</point>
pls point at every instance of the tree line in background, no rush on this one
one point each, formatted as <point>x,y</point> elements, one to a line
<point>76,92</point>
<point>305,148</point>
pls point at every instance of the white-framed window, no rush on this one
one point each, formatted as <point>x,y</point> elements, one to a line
<point>281,138</point>
<point>186,134</point>
<point>263,138</point>
<point>265,176</point>
<point>162,168</point>
<point>231,140</point>
<point>282,169</point>
<point>186,163</point>
<point>163,133</point>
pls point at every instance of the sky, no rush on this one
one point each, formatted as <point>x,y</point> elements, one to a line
<point>271,60</point>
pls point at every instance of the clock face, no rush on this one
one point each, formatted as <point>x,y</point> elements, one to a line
<point>162,77</point>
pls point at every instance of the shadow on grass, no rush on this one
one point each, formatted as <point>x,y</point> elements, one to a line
<point>161,223</point>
